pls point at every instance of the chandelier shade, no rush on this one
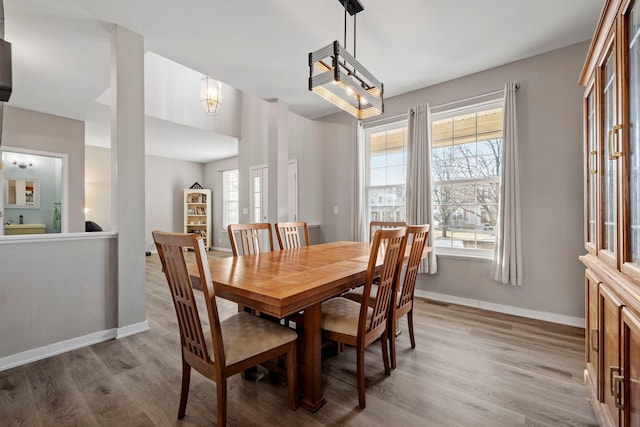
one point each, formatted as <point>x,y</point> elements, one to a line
<point>338,77</point>
<point>210,95</point>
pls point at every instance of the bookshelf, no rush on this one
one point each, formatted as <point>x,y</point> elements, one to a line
<point>197,213</point>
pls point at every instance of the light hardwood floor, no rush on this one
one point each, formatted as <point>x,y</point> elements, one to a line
<point>470,368</point>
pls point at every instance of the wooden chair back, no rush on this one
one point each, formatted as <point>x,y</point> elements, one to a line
<point>172,255</point>
<point>417,237</point>
<point>375,225</point>
<point>288,234</point>
<point>250,238</point>
<point>394,242</point>
<point>403,303</point>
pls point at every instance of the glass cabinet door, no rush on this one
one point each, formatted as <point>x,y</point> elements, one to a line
<point>633,159</point>
<point>609,163</point>
<point>592,169</point>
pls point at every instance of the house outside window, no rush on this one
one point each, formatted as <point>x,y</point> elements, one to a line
<point>465,162</point>
<point>465,176</point>
<point>229,197</point>
<point>386,162</point>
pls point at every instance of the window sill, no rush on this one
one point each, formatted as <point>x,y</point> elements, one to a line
<point>466,255</point>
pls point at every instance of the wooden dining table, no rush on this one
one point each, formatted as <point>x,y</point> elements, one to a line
<point>281,283</point>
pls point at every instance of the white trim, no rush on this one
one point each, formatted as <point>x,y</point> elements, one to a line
<point>470,104</point>
<point>506,309</point>
<point>464,254</point>
<point>129,330</point>
<point>54,349</point>
<point>56,237</point>
<point>50,350</point>
<point>221,249</point>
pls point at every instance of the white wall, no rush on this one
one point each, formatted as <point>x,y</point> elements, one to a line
<point>338,157</point>
<point>549,105</point>
<point>165,181</point>
<point>44,301</point>
<point>306,145</point>
<point>97,181</point>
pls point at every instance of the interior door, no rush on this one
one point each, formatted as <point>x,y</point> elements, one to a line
<point>259,188</point>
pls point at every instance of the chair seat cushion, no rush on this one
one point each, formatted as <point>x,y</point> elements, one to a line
<point>341,315</point>
<point>245,335</point>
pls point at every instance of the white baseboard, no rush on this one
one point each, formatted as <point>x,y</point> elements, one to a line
<point>506,309</point>
<point>221,249</point>
<point>50,350</point>
<point>128,330</point>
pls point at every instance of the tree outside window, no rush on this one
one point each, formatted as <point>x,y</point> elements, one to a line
<point>466,156</point>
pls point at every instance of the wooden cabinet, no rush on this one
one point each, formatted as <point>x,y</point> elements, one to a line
<point>631,360</point>
<point>609,309</point>
<point>197,213</point>
<point>592,327</point>
<point>612,214</point>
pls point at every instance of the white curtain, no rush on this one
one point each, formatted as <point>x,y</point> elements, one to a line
<point>361,228</point>
<point>419,203</point>
<point>507,256</point>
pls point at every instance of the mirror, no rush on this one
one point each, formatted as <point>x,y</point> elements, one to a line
<point>22,193</point>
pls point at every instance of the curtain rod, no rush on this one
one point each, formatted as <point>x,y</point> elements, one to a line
<point>226,170</point>
<point>495,92</point>
<point>397,116</point>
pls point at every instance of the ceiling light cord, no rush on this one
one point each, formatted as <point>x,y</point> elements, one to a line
<point>345,25</point>
<point>354,46</point>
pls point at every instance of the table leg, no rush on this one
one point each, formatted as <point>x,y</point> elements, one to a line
<point>312,399</point>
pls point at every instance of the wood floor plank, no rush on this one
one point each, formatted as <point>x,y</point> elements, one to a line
<point>470,368</point>
<point>16,400</point>
<point>57,400</point>
<point>103,395</point>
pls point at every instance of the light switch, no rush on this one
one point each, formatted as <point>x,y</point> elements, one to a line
<point>335,210</point>
<point>245,211</point>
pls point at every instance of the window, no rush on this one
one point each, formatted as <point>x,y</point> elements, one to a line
<point>465,162</point>
<point>229,197</point>
<point>386,163</point>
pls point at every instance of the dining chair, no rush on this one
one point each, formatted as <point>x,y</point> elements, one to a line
<point>375,225</point>
<point>228,346</point>
<point>356,323</point>
<point>250,238</point>
<point>288,234</point>
<point>404,295</point>
<point>249,241</point>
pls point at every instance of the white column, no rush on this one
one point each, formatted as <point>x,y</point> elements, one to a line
<point>128,176</point>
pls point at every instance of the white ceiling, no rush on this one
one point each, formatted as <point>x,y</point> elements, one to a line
<point>61,48</point>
